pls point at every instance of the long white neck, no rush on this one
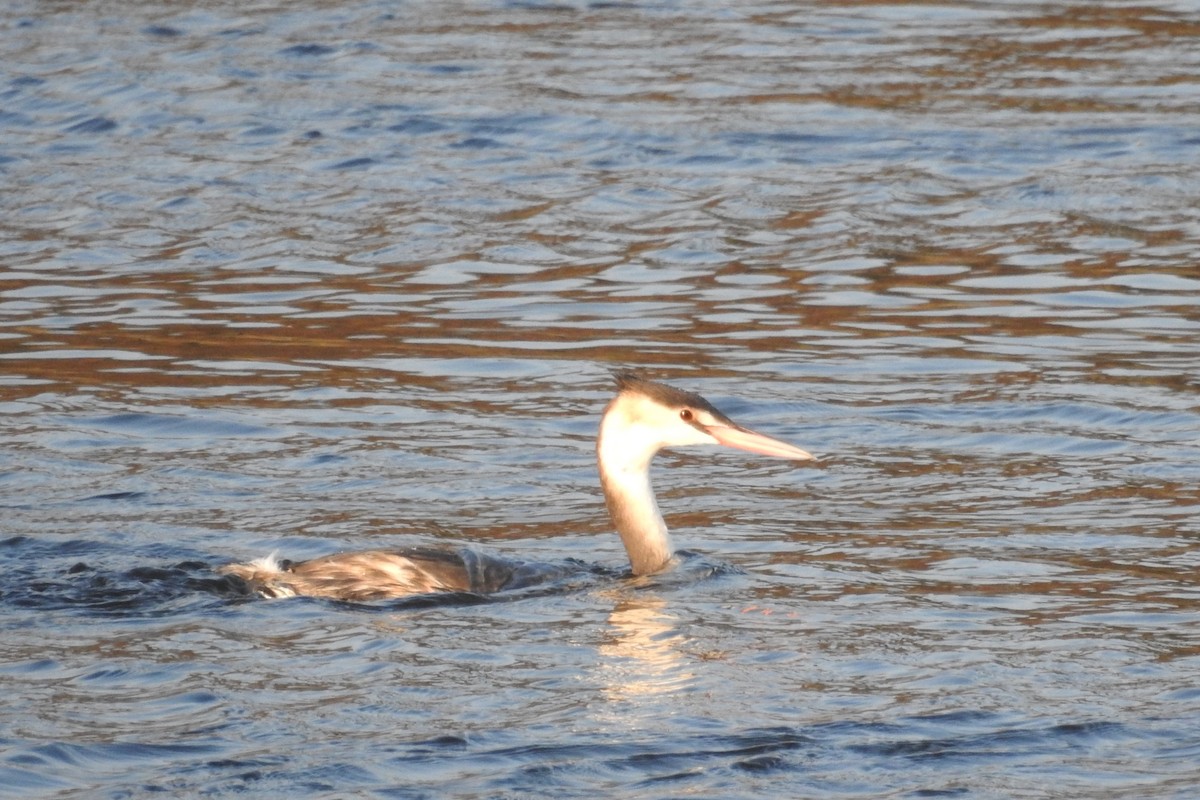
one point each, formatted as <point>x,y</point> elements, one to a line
<point>624,455</point>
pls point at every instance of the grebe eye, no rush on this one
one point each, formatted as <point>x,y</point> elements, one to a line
<point>686,415</point>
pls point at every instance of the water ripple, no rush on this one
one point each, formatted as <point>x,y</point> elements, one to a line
<point>315,279</point>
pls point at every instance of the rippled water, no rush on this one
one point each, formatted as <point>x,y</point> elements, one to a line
<point>309,277</point>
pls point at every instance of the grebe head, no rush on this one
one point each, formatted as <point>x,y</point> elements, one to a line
<point>646,416</point>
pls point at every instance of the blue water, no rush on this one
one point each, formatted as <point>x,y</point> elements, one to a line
<point>300,279</point>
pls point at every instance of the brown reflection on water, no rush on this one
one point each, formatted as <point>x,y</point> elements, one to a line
<point>363,317</point>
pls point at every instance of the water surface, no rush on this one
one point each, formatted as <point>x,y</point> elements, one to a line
<point>308,277</point>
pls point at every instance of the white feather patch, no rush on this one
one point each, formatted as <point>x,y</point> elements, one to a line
<point>267,564</point>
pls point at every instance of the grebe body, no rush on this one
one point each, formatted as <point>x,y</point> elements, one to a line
<point>642,419</point>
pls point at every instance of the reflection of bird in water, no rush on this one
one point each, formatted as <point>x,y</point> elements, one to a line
<point>642,656</point>
<point>642,419</point>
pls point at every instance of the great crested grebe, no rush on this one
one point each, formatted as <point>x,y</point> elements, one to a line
<point>642,419</point>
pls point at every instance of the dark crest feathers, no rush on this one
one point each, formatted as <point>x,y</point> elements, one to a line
<point>665,395</point>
